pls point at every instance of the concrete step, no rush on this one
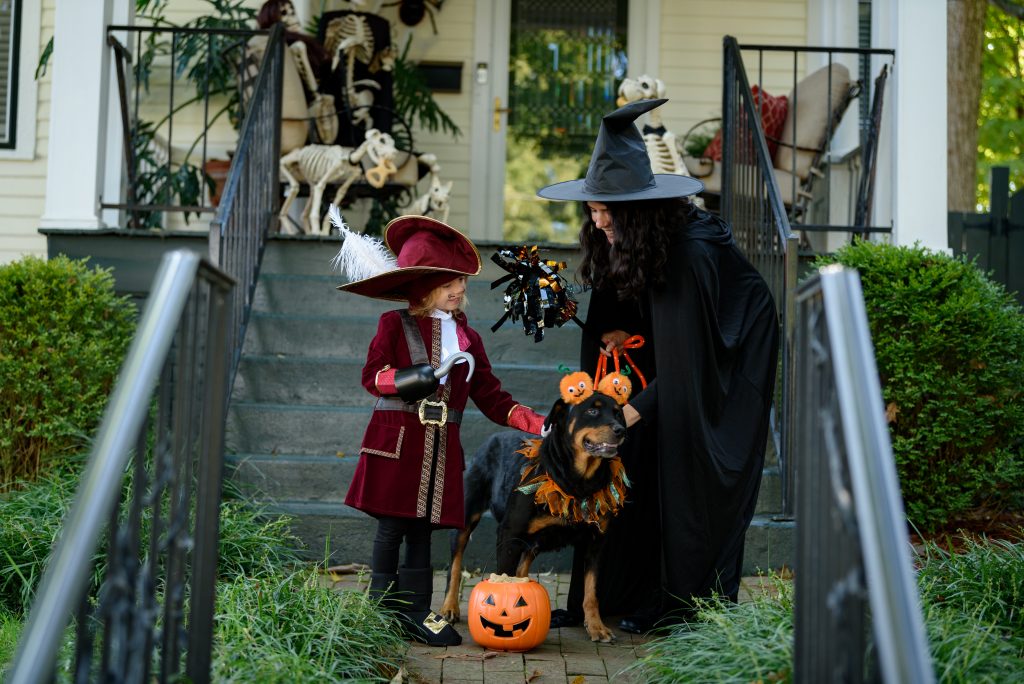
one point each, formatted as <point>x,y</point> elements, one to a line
<point>349,337</point>
<point>325,380</point>
<point>325,478</point>
<point>336,533</point>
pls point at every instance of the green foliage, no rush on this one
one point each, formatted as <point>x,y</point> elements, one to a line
<point>10,627</point>
<point>252,542</point>
<point>293,629</point>
<point>527,217</point>
<point>1001,109</point>
<point>971,603</point>
<point>949,344</point>
<point>746,642</point>
<point>63,334</point>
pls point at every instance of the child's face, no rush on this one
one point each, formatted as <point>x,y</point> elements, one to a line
<point>449,296</point>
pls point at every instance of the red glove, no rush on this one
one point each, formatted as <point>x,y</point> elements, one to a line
<point>526,419</point>
<point>385,381</point>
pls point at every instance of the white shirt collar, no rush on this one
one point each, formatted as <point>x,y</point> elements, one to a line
<point>443,315</point>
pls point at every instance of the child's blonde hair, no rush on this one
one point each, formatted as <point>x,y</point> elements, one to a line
<point>423,307</point>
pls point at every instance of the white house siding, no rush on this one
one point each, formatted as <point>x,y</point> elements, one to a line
<point>690,52</point>
<point>23,181</point>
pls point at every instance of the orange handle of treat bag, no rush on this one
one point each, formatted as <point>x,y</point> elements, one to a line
<point>634,342</point>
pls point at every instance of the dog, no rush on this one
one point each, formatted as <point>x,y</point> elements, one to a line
<point>577,457</point>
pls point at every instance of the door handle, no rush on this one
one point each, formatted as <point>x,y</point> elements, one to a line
<point>498,111</point>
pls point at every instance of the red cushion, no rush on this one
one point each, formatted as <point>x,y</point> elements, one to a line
<point>773,118</point>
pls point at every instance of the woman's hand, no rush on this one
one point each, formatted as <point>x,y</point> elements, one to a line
<point>631,415</point>
<point>613,340</point>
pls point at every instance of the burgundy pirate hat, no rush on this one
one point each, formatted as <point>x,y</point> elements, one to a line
<point>428,253</point>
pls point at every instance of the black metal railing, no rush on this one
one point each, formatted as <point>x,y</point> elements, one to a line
<point>806,156</point>
<point>752,204</point>
<point>853,551</point>
<point>206,71</point>
<point>153,480</point>
<point>248,208</point>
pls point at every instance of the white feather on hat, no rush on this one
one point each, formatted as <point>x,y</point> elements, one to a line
<point>361,256</point>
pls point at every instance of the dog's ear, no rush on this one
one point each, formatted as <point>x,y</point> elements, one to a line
<point>556,416</point>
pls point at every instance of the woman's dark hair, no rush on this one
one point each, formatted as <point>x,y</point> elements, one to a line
<point>636,261</point>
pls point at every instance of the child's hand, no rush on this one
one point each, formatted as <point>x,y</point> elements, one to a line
<point>526,419</point>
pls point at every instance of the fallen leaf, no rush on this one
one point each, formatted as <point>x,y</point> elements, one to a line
<point>346,569</point>
<point>486,655</point>
<point>537,674</point>
<point>340,454</point>
<point>399,677</point>
<point>891,411</point>
<point>580,679</point>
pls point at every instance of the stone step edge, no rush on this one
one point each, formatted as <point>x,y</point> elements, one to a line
<point>347,361</point>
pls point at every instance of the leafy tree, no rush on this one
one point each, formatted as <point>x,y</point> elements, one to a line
<point>1001,109</point>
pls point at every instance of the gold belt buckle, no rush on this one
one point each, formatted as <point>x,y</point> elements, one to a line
<point>429,421</point>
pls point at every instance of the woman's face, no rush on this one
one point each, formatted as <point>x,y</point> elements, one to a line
<point>449,296</point>
<point>602,218</point>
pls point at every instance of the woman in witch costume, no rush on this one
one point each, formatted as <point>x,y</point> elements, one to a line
<point>423,365</point>
<point>664,268</point>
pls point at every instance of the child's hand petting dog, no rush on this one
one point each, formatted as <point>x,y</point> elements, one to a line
<point>526,419</point>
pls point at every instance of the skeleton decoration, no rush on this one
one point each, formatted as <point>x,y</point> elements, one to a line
<point>350,36</point>
<point>434,202</point>
<point>661,143</point>
<point>322,165</point>
<point>323,118</point>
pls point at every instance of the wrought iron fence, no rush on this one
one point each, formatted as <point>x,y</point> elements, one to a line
<point>206,70</point>
<point>153,480</point>
<point>752,204</point>
<point>852,546</point>
<point>249,206</point>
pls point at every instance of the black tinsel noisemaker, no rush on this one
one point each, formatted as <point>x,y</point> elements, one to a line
<point>535,292</point>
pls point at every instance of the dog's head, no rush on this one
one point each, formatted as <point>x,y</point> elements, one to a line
<point>594,427</point>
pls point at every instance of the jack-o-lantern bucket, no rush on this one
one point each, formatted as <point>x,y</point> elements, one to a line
<point>509,613</point>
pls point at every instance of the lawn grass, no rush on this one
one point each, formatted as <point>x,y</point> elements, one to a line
<point>972,602</point>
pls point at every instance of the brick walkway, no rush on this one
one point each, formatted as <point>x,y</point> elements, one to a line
<point>567,656</point>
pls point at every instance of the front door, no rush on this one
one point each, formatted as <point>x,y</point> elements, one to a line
<point>554,71</point>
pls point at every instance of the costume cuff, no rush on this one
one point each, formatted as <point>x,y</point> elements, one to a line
<point>525,419</point>
<point>385,380</point>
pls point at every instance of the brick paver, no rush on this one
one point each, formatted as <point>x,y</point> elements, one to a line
<point>567,656</point>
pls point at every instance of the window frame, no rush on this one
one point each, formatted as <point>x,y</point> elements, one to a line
<point>25,89</point>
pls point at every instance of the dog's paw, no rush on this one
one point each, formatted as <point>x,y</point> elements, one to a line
<point>598,632</point>
<point>450,613</point>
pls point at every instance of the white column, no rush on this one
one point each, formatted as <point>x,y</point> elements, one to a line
<point>78,115</point>
<point>914,122</point>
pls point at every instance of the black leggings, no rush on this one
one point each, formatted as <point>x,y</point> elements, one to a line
<point>390,532</point>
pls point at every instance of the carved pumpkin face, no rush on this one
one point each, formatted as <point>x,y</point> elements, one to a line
<point>509,614</point>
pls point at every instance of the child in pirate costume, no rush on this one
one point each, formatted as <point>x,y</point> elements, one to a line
<point>423,365</point>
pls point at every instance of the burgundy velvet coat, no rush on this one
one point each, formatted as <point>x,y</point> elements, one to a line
<point>393,469</point>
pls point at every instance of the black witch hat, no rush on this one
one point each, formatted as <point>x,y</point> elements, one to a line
<point>620,169</point>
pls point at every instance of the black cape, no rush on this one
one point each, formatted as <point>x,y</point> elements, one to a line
<point>698,452</point>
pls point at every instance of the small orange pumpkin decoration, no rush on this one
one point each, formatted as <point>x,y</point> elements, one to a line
<point>617,386</point>
<point>509,613</point>
<point>575,387</point>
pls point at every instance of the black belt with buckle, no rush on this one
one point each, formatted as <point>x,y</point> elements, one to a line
<point>429,412</point>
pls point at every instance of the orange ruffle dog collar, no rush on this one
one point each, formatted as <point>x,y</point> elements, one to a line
<point>594,509</point>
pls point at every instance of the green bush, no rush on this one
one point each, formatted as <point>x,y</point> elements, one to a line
<point>252,543</point>
<point>971,605</point>
<point>63,335</point>
<point>949,344</point>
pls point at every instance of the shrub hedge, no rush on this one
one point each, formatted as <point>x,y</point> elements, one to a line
<point>63,335</point>
<point>949,344</point>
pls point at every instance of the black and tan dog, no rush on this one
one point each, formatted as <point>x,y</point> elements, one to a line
<point>546,494</point>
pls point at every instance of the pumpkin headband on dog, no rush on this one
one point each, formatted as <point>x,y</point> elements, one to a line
<point>575,387</point>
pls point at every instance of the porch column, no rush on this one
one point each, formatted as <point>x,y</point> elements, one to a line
<point>78,115</point>
<point>913,132</point>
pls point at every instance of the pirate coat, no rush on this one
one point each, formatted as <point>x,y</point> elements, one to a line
<point>408,469</point>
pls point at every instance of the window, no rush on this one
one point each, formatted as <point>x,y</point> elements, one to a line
<point>10,20</point>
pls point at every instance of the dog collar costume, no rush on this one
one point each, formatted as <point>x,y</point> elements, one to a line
<point>595,509</point>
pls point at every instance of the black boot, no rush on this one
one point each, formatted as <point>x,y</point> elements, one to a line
<point>422,624</point>
<point>383,587</point>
